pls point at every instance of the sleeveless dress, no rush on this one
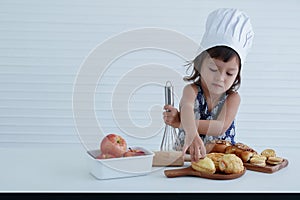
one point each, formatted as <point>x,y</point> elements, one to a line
<point>201,113</point>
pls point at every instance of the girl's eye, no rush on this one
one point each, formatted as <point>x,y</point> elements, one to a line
<point>229,74</point>
<point>213,70</point>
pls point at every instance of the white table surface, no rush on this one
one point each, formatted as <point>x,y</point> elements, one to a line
<point>63,168</point>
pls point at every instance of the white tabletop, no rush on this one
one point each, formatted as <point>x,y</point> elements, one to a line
<point>63,168</point>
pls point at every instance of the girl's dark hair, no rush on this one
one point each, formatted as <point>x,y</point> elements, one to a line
<point>223,53</point>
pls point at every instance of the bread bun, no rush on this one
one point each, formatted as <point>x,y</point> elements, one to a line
<point>230,149</point>
<point>274,160</point>
<point>244,147</point>
<point>231,164</point>
<point>241,150</point>
<point>209,147</point>
<point>205,165</point>
<point>217,146</point>
<point>246,155</point>
<point>215,157</point>
<point>268,153</point>
<point>258,160</point>
<point>258,156</point>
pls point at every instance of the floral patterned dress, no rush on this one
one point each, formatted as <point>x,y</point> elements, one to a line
<point>202,113</point>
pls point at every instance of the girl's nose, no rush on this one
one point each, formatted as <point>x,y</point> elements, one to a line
<point>221,76</point>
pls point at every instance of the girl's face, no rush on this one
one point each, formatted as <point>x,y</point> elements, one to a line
<point>218,76</point>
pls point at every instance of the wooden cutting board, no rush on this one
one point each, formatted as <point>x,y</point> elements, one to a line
<point>189,171</point>
<point>268,168</point>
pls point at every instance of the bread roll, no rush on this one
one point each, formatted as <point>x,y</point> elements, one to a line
<point>230,149</point>
<point>246,155</point>
<point>209,147</point>
<point>274,160</point>
<point>258,160</point>
<point>215,157</point>
<point>205,165</point>
<point>244,147</point>
<point>217,146</point>
<point>231,164</point>
<point>268,153</point>
<point>241,150</point>
<point>259,157</point>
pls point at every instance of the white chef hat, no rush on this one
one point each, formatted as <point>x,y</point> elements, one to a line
<point>228,27</point>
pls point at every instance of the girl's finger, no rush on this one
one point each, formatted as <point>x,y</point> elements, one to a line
<point>196,153</point>
<point>167,107</point>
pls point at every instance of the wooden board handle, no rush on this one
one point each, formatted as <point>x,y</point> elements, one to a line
<point>178,172</point>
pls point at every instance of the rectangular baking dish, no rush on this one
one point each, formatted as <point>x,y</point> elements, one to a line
<point>120,167</point>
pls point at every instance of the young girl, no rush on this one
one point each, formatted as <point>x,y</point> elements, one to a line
<point>210,103</point>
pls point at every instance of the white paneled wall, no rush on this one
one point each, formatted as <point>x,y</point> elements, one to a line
<point>44,43</point>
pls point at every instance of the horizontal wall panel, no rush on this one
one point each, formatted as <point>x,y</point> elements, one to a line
<point>43,44</point>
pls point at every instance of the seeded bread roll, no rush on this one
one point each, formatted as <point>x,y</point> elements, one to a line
<point>205,165</point>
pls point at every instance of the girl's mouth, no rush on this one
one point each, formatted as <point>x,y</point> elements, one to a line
<point>217,85</point>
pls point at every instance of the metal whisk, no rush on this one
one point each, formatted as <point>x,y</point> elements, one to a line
<point>170,141</point>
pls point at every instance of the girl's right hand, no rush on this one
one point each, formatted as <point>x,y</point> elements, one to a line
<point>171,116</point>
<point>196,148</point>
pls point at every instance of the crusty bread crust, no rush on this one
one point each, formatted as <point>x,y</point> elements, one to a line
<point>205,165</point>
<point>231,164</point>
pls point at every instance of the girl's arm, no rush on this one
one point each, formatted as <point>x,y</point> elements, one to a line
<point>192,138</point>
<point>209,127</point>
<point>186,107</point>
<point>224,120</point>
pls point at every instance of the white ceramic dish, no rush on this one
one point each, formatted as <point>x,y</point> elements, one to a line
<point>120,167</point>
